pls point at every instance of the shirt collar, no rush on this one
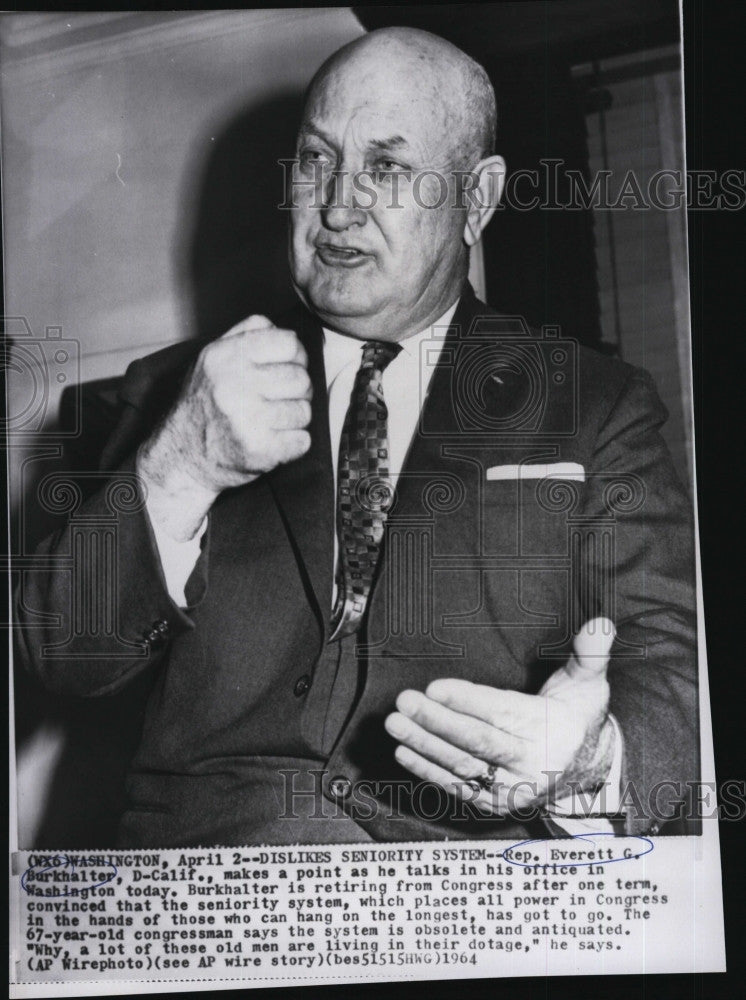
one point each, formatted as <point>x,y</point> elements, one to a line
<point>341,350</point>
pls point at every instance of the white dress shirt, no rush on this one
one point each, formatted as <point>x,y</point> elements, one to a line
<point>406,382</point>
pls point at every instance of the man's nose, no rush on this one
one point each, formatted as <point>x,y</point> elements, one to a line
<point>340,209</point>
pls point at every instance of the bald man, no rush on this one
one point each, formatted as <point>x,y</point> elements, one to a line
<point>372,582</point>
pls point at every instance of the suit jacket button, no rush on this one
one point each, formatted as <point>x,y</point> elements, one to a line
<point>162,627</point>
<point>340,787</point>
<point>302,685</point>
<point>152,636</point>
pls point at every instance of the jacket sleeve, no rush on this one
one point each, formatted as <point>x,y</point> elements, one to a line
<point>645,581</point>
<point>92,610</point>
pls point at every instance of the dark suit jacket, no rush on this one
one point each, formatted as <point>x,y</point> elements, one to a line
<point>480,578</point>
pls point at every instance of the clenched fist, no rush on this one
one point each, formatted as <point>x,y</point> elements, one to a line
<point>242,411</point>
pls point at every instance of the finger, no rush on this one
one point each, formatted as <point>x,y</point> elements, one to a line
<point>490,802</point>
<point>510,711</point>
<point>591,648</point>
<point>460,763</point>
<point>289,414</point>
<point>284,381</point>
<point>274,346</point>
<point>479,738</point>
<point>255,322</point>
<point>292,444</point>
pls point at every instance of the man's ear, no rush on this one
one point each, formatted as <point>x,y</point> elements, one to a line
<point>484,194</point>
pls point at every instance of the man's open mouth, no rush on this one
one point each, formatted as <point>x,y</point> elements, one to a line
<point>339,256</point>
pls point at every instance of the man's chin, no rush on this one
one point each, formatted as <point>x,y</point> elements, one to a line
<point>340,311</point>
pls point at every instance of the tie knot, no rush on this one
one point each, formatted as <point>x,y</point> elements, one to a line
<point>379,354</point>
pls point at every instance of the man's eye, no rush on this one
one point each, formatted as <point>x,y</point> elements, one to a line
<point>388,166</point>
<point>311,157</point>
<point>385,168</point>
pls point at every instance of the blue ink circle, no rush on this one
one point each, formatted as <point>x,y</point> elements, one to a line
<point>575,864</point>
<point>59,862</point>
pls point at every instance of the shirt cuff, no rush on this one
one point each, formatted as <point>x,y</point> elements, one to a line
<point>574,815</point>
<point>177,559</point>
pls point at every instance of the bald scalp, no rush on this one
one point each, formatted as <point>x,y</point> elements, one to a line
<point>429,62</point>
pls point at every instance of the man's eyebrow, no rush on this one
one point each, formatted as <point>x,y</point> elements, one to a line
<point>308,128</point>
<point>390,143</point>
<point>393,142</point>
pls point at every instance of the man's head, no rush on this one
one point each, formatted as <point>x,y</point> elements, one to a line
<point>380,225</point>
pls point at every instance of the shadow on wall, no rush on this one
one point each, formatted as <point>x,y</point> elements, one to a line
<point>236,262</point>
<point>231,257</point>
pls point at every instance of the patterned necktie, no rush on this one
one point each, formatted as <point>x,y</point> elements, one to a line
<point>364,492</point>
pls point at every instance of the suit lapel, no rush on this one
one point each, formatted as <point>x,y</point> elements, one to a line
<point>438,422</point>
<point>438,418</point>
<point>424,478</point>
<point>304,489</point>
<point>459,393</point>
<point>440,487</point>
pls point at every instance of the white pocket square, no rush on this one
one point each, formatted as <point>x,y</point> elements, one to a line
<point>559,470</point>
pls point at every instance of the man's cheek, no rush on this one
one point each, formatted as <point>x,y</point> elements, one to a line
<point>404,228</point>
<point>302,215</point>
<point>300,230</point>
<point>427,235</point>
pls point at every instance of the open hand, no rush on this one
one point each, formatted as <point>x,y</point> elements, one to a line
<point>504,750</point>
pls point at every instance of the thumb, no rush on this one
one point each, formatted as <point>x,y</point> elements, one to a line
<point>591,649</point>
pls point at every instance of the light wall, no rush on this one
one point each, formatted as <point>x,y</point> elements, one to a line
<point>104,145</point>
